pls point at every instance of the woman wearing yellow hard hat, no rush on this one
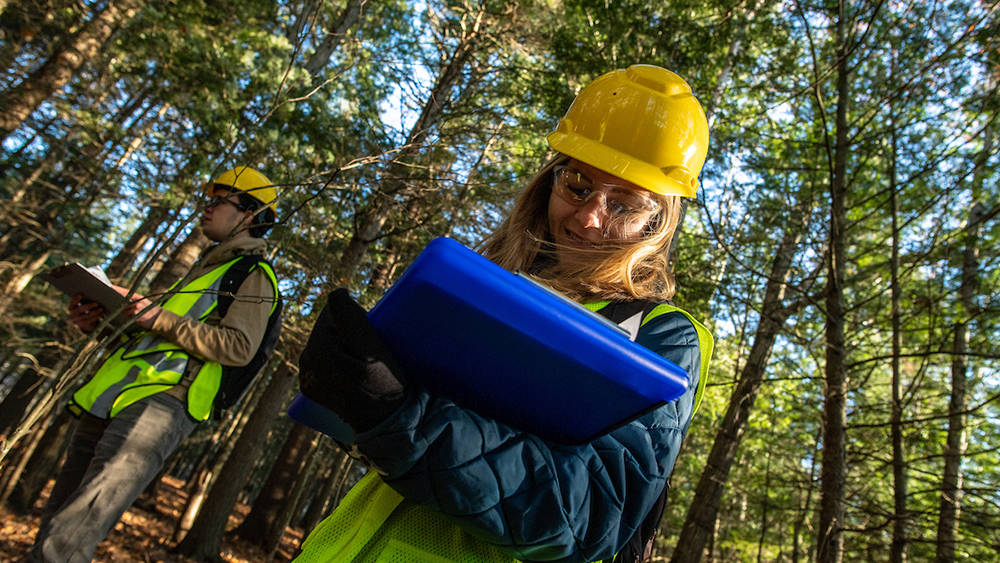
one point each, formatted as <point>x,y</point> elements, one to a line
<point>451,485</point>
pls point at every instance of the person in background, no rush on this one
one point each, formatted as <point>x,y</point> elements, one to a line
<point>192,354</point>
<point>447,484</point>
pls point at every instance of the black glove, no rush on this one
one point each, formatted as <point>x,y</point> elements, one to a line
<point>346,368</point>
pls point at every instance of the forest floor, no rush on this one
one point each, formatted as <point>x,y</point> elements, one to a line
<point>143,534</point>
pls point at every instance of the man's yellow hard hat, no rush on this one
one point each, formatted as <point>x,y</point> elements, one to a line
<point>248,181</point>
<point>642,124</point>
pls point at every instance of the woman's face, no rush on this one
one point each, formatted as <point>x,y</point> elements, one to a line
<point>589,207</point>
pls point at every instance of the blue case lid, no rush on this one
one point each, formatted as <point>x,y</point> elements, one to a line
<point>510,349</point>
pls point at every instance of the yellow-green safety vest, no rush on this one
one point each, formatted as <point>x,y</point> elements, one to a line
<point>706,342</point>
<point>372,524</point>
<point>146,363</point>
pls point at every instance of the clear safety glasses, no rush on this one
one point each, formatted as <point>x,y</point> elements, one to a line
<point>220,199</point>
<point>576,188</point>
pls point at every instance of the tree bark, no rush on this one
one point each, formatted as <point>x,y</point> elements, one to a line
<point>32,379</point>
<point>213,459</point>
<point>700,523</point>
<point>735,50</point>
<point>19,278</point>
<point>204,540</point>
<point>43,463</point>
<point>318,509</point>
<point>305,18</point>
<point>833,472</point>
<point>20,101</point>
<point>951,480</point>
<point>179,263</point>
<point>897,550</point>
<point>766,504</point>
<point>277,531</point>
<point>805,505</point>
<point>321,57</point>
<point>259,523</point>
<point>14,468</point>
<point>369,221</point>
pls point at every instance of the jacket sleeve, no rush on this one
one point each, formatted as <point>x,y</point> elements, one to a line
<point>234,340</point>
<point>536,500</point>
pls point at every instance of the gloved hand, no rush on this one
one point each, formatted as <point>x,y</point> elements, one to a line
<point>346,368</point>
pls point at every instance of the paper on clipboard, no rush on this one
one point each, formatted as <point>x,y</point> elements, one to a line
<point>76,279</point>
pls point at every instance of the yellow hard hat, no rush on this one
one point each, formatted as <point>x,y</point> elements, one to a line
<point>642,124</point>
<point>248,181</point>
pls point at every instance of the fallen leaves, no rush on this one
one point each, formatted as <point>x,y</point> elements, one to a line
<point>142,535</point>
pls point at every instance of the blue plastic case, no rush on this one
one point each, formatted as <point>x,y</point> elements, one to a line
<point>512,350</point>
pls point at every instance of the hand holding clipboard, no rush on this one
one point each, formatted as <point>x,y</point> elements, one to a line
<point>92,287</point>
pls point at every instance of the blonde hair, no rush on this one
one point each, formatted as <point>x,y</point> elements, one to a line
<point>618,270</point>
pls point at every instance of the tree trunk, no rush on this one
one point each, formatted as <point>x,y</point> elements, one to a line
<point>20,101</point>
<point>19,278</point>
<point>32,379</point>
<point>897,551</point>
<point>199,485</point>
<point>767,501</point>
<point>318,509</point>
<point>259,523</point>
<point>833,473</point>
<point>699,525</point>
<point>52,396</point>
<point>340,491</point>
<point>805,505</point>
<point>321,57</point>
<point>213,459</point>
<point>369,221</point>
<point>180,262</point>
<point>735,51</point>
<point>303,20</point>
<point>305,476</point>
<point>951,481</point>
<point>122,263</point>
<point>43,464</point>
<point>204,540</point>
<point>14,468</point>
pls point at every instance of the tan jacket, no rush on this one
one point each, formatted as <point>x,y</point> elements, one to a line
<point>231,340</point>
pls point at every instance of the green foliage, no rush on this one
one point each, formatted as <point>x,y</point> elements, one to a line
<point>189,88</point>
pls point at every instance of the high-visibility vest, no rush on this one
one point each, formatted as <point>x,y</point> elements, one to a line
<point>147,363</point>
<point>373,524</point>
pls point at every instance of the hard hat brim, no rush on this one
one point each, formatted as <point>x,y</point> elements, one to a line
<point>626,167</point>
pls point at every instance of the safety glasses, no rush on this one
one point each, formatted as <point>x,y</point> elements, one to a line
<point>576,188</point>
<point>220,199</point>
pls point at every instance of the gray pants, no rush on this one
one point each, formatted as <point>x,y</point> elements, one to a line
<point>108,465</point>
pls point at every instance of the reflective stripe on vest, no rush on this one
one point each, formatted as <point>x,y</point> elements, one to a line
<point>146,363</point>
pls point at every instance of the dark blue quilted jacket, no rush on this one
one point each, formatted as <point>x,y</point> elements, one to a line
<point>536,500</point>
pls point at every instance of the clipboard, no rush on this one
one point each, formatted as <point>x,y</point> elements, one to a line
<point>510,349</point>
<point>75,279</point>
